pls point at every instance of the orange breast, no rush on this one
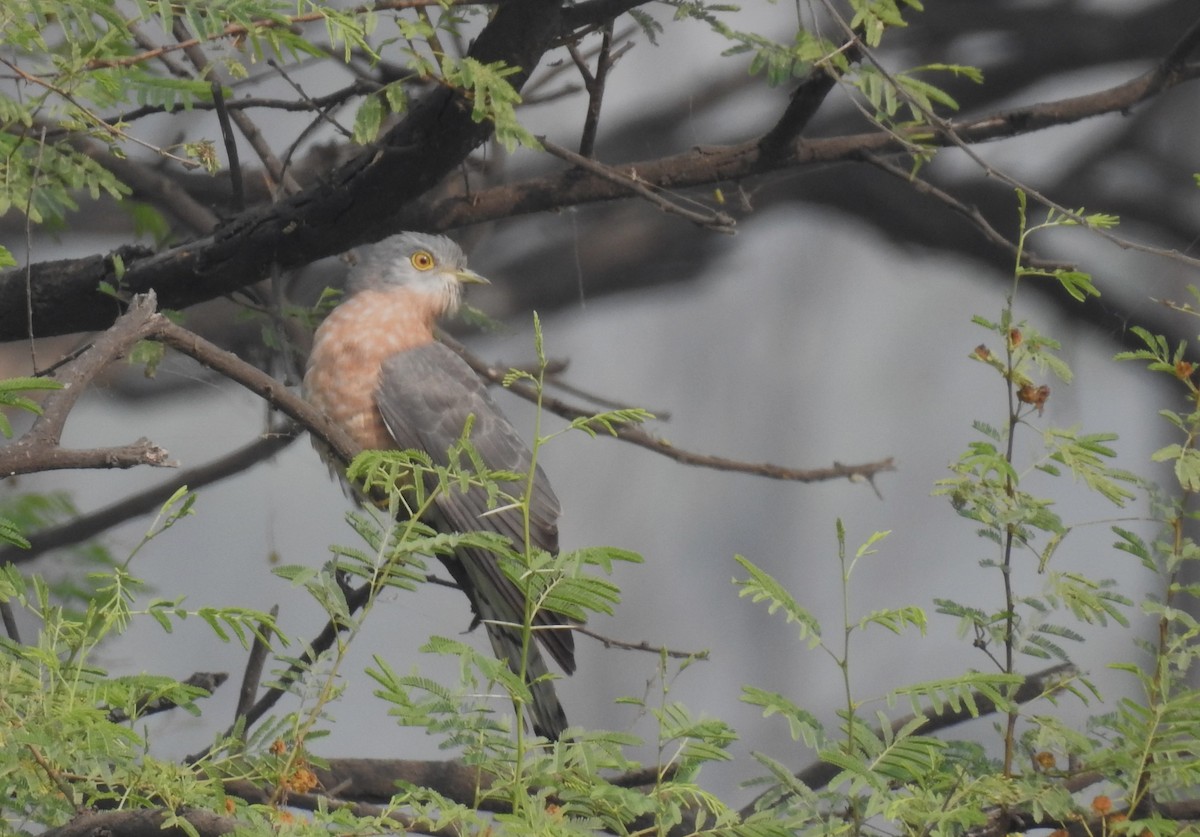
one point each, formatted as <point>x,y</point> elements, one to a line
<point>348,349</point>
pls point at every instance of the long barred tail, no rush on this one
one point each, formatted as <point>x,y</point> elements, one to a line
<point>546,714</point>
<point>501,607</point>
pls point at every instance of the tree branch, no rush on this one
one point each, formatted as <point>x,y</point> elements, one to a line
<point>712,219</point>
<point>144,823</point>
<point>90,525</point>
<point>375,193</point>
<point>356,203</point>
<point>38,448</point>
<point>638,436</point>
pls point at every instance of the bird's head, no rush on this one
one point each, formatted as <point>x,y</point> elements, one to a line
<point>431,265</point>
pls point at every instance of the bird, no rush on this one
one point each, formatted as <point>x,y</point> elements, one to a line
<point>378,371</point>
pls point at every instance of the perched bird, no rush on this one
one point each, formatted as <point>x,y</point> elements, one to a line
<point>377,371</point>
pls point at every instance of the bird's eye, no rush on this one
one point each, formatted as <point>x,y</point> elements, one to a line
<point>422,260</point>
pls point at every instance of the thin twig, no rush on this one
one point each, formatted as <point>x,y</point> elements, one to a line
<point>237,30</point>
<point>355,600</point>
<point>609,642</point>
<point>147,43</point>
<point>637,436</point>
<point>326,103</point>
<point>1168,72</point>
<point>246,125</point>
<point>971,213</point>
<point>89,116</point>
<point>54,776</point>
<point>231,151</point>
<point>358,87</point>
<point>712,219</point>
<point>556,381</point>
<point>255,662</point>
<point>90,525</point>
<point>594,83</point>
<point>152,184</point>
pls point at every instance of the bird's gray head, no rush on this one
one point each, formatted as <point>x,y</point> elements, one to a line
<point>426,264</point>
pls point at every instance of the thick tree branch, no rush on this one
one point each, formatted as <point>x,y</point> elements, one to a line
<point>358,202</point>
<point>717,164</point>
<point>806,99</point>
<point>143,823</point>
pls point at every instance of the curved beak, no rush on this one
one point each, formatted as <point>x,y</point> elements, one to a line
<point>470,277</point>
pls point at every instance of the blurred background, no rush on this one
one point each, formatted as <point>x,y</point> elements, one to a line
<point>835,326</point>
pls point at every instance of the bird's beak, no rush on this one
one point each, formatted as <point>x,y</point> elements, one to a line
<point>470,277</point>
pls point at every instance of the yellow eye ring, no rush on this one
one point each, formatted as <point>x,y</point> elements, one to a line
<point>422,260</point>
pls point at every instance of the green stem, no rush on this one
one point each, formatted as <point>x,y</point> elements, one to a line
<point>843,661</point>
<point>1010,490</point>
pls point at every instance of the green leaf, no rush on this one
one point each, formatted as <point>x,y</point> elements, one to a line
<point>10,533</point>
<point>802,724</point>
<point>9,389</point>
<point>367,120</point>
<point>896,619</point>
<point>761,586</point>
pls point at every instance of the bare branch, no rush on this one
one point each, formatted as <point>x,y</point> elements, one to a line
<point>258,382</point>
<point>77,374</point>
<point>610,642</point>
<point>637,436</point>
<point>357,202</point>
<point>236,30</point>
<point>252,676</point>
<point>32,457</point>
<point>630,180</point>
<point>971,213</point>
<point>715,164</point>
<point>207,70</point>
<point>90,525</point>
<point>38,449</point>
<point>594,83</point>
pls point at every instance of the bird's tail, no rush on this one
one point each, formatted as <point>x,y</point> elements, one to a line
<point>546,714</point>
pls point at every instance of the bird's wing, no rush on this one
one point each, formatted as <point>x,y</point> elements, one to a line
<point>425,396</point>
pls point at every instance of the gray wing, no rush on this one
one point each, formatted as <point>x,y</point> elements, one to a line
<point>425,396</point>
